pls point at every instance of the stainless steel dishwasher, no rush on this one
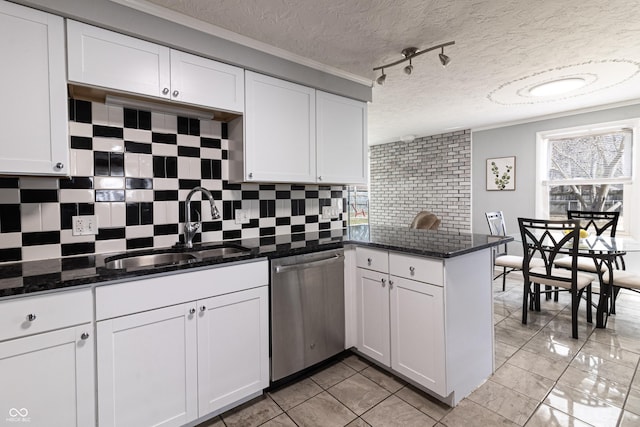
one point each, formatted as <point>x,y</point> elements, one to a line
<point>307,310</point>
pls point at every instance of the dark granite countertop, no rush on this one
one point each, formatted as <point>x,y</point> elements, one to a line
<point>52,274</point>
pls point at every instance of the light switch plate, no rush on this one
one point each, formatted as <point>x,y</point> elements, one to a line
<point>84,225</point>
<point>242,216</point>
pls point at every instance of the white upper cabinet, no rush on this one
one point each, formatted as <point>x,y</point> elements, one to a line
<point>201,81</point>
<point>33,109</point>
<point>280,131</point>
<point>103,58</point>
<point>341,141</point>
<point>295,134</point>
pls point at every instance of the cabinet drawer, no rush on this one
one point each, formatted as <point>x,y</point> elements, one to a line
<point>49,312</point>
<point>426,270</point>
<point>372,259</point>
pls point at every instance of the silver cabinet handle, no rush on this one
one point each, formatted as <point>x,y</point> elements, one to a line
<point>165,91</point>
<point>31,317</point>
<point>412,270</point>
<point>175,93</point>
<point>203,308</point>
<point>250,175</point>
<point>369,261</point>
<point>320,178</point>
<point>383,282</point>
<point>84,336</point>
<point>390,284</point>
<point>59,165</point>
<point>192,311</point>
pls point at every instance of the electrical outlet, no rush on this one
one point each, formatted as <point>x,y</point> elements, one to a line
<point>242,216</point>
<point>84,225</point>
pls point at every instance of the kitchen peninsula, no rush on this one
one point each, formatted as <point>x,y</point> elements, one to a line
<point>417,303</point>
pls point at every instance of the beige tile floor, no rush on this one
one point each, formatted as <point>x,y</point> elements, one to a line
<point>543,378</point>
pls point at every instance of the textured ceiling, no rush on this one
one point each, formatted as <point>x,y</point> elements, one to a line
<point>501,48</point>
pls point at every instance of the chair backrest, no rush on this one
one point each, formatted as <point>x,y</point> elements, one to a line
<point>548,239</point>
<point>596,221</point>
<point>495,220</point>
<point>496,223</point>
<point>425,220</point>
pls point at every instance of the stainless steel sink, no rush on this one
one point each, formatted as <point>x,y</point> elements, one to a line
<point>151,260</point>
<point>221,251</point>
<point>171,257</point>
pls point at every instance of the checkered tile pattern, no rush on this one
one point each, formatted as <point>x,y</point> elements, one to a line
<point>133,169</point>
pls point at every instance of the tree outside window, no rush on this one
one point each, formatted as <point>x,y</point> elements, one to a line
<point>588,172</point>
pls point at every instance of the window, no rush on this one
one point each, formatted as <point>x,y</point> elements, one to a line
<point>589,169</point>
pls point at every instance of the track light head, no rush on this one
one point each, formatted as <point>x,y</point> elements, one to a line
<point>409,68</point>
<point>444,59</point>
<point>380,80</point>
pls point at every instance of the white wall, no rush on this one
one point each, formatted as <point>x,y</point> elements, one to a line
<point>520,141</point>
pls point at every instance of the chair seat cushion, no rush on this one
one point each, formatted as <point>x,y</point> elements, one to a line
<point>624,279</point>
<point>584,264</point>
<point>583,279</point>
<point>514,261</point>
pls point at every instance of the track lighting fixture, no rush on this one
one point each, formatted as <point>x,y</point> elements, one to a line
<point>411,52</point>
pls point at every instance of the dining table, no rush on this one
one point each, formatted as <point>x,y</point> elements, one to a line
<point>608,254</point>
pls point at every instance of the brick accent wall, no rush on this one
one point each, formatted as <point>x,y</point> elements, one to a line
<point>431,173</point>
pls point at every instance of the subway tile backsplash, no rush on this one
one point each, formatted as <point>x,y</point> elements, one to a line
<point>133,169</point>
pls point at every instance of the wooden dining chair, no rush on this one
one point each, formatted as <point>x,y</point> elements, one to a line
<point>549,239</point>
<point>501,257</point>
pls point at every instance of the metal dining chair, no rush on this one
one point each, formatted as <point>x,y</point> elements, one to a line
<point>549,239</point>
<point>598,223</point>
<point>501,258</point>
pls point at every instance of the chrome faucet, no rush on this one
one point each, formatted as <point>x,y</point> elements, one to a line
<point>190,228</point>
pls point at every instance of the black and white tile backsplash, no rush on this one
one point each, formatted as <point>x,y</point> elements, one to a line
<point>133,170</point>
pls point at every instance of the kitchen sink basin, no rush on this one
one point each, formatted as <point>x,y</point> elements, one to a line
<point>151,260</point>
<point>221,251</point>
<point>172,257</point>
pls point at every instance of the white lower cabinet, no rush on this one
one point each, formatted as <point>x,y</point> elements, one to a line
<point>171,365</point>
<point>373,315</point>
<point>417,332</point>
<point>147,368</point>
<point>428,320</point>
<point>233,337</point>
<point>400,321</point>
<point>48,377</point>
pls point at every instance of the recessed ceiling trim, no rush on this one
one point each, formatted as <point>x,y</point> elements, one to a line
<point>600,75</point>
<point>214,30</point>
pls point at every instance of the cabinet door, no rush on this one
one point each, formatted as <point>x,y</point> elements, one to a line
<point>341,142</point>
<point>104,58</point>
<point>417,332</point>
<point>48,379</point>
<point>233,348</point>
<point>147,373</point>
<point>33,109</point>
<point>280,130</point>
<point>373,315</point>
<point>201,81</point>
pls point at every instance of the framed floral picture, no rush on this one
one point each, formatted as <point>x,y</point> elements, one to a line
<point>501,174</point>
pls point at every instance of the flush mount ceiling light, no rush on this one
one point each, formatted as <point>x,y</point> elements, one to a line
<point>557,87</point>
<point>411,52</point>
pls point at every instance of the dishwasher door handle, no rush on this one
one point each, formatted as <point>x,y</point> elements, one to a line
<point>285,268</point>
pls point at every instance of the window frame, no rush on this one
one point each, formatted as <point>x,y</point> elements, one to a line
<point>631,192</point>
